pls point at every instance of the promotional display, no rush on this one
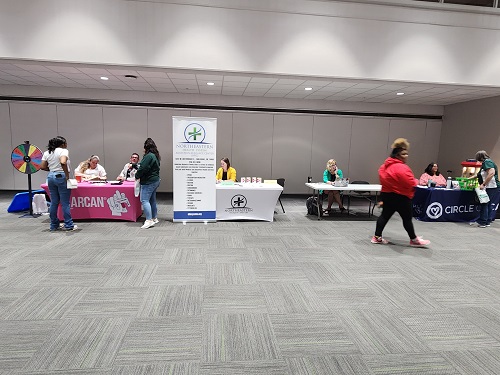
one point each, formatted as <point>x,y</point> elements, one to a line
<point>194,162</point>
<point>103,201</point>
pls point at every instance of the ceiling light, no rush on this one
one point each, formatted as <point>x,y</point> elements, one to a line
<point>400,93</point>
<point>210,83</point>
<point>130,76</point>
<point>104,78</point>
<point>308,88</point>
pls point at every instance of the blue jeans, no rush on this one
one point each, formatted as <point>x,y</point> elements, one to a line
<point>59,193</point>
<point>485,215</point>
<point>148,199</point>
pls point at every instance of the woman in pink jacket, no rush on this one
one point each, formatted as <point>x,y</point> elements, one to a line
<point>398,188</point>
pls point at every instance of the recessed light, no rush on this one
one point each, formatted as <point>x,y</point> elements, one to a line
<point>104,78</point>
<point>210,83</point>
<point>130,76</point>
<point>400,93</point>
<point>308,88</point>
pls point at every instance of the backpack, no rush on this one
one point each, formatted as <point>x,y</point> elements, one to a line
<point>312,206</point>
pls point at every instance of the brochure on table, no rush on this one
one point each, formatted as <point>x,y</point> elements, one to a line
<point>194,154</point>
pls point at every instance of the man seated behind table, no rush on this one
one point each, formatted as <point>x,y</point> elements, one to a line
<point>128,171</point>
<point>225,172</point>
<point>90,169</point>
<point>432,173</point>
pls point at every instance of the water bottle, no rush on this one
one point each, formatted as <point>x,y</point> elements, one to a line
<point>448,183</point>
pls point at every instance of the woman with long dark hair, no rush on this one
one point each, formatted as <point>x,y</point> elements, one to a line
<point>149,175</point>
<point>398,188</point>
<point>56,161</point>
<point>432,174</point>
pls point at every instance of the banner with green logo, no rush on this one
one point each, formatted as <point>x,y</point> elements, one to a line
<point>194,153</point>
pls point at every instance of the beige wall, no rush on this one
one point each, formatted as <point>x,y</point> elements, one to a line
<point>467,128</point>
<point>267,145</point>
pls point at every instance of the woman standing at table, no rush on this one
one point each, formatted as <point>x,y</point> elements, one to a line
<point>488,179</point>
<point>432,173</point>
<point>149,175</point>
<point>225,172</point>
<point>330,175</point>
<point>56,161</point>
<point>398,188</point>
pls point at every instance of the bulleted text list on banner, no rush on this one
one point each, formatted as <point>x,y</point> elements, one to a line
<point>194,163</point>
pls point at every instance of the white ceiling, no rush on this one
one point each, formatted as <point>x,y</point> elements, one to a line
<point>50,74</point>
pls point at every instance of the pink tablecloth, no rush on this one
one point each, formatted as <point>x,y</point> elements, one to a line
<point>103,201</point>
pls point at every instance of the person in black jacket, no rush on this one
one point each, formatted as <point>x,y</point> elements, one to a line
<point>149,175</point>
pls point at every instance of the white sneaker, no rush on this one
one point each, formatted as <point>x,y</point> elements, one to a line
<point>148,224</point>
<point>156,221</point>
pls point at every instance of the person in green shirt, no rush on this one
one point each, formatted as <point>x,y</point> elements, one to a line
<point>149,175</point>
<point>488,179</point>
<point>331,174</point>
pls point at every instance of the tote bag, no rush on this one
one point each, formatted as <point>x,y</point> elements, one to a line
<point>482,195</point>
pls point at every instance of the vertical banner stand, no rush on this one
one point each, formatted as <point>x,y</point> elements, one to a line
<point>194,162</point>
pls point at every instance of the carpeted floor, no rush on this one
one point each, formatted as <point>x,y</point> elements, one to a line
<point>297,296</point>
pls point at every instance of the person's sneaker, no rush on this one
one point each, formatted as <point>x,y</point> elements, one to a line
<point>419,242</point>
<point>482,225</point>
<point>376,239</point>
<point>148,224</point>
<point>75,227</point>
<point>156,221</point>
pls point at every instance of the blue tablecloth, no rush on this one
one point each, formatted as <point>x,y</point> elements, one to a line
<point>434,204</point>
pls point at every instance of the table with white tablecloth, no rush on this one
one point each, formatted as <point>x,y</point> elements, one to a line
<point>319,186</point>
<point>247,201</point>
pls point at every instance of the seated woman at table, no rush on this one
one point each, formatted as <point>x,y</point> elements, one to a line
<point>225,172</point>
<point>90,169</point>
<point>432,173</point>
<point>331,174</point>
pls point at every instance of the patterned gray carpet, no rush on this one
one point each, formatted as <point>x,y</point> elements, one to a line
<point>297,296</point>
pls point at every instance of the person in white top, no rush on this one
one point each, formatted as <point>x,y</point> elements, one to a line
<point>90,169</point>
<point>129,169</point>
<point>56,161</point>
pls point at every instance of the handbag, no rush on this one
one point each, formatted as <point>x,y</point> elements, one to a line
<point>482,195</point>
<point>71,183</point>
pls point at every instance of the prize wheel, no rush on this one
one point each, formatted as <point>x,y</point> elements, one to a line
<point>27,158</point>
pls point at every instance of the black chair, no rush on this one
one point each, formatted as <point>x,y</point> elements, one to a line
<point>281,181</point>
<point>365,195</point>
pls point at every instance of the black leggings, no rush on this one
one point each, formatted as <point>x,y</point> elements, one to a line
<point>396,203</point>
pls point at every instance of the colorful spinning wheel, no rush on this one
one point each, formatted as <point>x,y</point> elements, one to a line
<point>27,158</point>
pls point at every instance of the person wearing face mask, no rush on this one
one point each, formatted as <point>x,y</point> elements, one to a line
<point>330,175</point>
<point>398,187</point>
<point>225,172</point>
